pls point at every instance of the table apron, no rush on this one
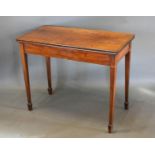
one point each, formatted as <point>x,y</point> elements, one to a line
<point>68,53</point>
<point>122,53</point>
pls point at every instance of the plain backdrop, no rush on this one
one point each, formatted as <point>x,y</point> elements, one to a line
<point>71,72</point>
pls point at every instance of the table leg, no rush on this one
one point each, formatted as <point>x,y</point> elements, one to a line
<point>113,73</point>
<point>26,75</point>
<point>48,67</point>
<point>127,76</point>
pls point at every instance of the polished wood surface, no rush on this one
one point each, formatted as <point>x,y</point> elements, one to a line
<point>24,60</point>
<point>98,40</point>
<point>68,53</point>
<point>48,67</point>
<point>113,74</point>
<point>83,45</point>
<point>127,77</point>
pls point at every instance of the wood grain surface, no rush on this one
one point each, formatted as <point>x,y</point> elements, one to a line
<point>87,39</point>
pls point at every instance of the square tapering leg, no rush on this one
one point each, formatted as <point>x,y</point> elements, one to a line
<point>127,78</point>
<point>113,73</point>
<point>24,60</point>
<point>48,67</point>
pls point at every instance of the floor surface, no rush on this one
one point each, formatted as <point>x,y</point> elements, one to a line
<point>76,112</point>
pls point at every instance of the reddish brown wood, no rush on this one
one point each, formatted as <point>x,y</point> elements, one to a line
<point>68,53</point>
<point>48,67</point>
<point>127,77</point>
<point>26,75</point>
<point>113,74</point>
<point>100,40</point>
<point>122,53</point>
<point>93,46</point>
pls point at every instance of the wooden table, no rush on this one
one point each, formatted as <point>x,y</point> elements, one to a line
<point>85,45</point>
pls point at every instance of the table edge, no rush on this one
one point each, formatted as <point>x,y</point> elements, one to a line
<point>78,48</point>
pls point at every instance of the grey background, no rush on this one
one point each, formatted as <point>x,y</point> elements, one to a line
<point>75,73</point>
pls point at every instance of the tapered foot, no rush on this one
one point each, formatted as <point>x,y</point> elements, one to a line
<point>126,105</point>
<point>109,129</point>
<point>29,106</point>
<point>50,91</point>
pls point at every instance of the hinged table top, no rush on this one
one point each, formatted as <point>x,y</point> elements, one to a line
<point>86,39</point>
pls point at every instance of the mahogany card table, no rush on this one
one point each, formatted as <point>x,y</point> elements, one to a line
<point>85,45</point>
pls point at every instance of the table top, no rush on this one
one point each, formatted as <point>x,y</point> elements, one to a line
<point>86,39</point>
